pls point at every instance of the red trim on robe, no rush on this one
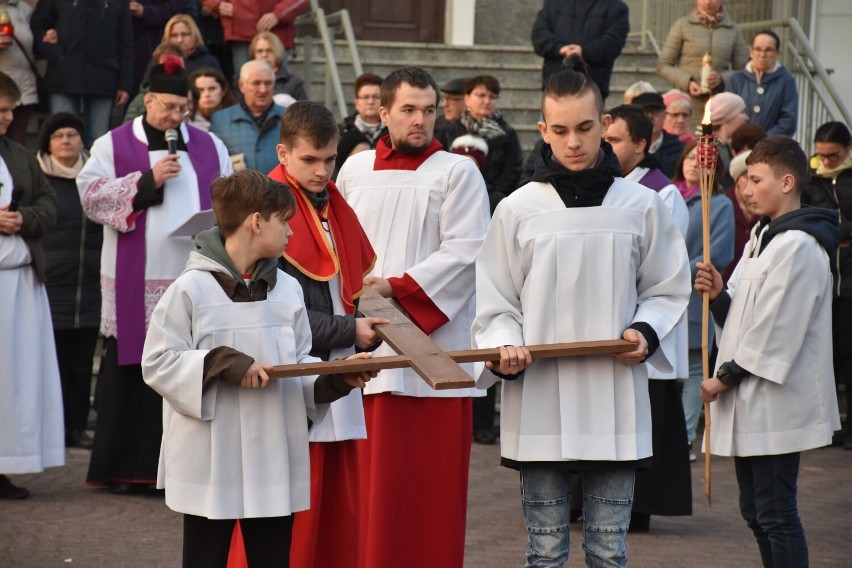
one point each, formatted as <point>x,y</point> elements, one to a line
<point>420,307</point>
<point>389,159</point>
<point>327,535</point>
<point>414,481</point>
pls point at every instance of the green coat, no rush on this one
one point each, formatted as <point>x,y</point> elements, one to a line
<point>38,202</point>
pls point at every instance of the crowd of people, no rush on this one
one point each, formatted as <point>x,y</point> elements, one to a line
<point>155,133</point>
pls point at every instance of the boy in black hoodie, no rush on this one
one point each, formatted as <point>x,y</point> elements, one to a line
<point>773,394</point>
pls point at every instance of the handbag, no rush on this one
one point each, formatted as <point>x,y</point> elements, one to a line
<point>41,93</point>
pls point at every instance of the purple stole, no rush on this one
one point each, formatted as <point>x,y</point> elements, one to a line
<point>131,155</point>
<point>655,179</point>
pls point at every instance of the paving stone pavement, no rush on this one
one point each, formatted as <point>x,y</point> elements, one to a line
<point>67,524</point>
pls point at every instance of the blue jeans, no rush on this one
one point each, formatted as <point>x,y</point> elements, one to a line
<point>691,397</point>
<point>768,504</point>
<point>95,111</point>
<point>607,502</point>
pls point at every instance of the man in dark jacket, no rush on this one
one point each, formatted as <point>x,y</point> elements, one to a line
<point>594,29</point>
<point>88,45</point>
<point>664,146</point>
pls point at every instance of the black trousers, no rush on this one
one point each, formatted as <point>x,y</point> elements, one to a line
<point>75,351</point>
<point>842,335</point>
<point>206,542</point>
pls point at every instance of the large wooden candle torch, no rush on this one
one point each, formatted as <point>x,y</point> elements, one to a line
<point>708,157</point>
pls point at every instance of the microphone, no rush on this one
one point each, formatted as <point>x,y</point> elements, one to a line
<point>17,193</point>
<point>171,140</point>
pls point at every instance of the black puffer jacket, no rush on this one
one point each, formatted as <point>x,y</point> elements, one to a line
<point>600,27</point>
<point>73,250</point>
<point>94,55</point>
<point>837,195</point>
<point>328,330</point>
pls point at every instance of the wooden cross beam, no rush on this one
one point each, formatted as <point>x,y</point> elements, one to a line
<point>437,367</point>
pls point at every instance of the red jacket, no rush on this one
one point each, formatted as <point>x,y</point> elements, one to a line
<point>242,26</point>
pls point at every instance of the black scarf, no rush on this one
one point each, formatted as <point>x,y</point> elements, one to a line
<point>586,188</point>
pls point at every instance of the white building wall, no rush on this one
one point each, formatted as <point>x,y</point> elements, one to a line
<point>831,36</point>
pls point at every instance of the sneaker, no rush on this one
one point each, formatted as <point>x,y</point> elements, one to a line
<point>692,456</point>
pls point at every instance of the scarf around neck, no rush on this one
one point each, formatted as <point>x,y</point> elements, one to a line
<point>487,128</point>
<point>709,20</point>
<point>371,131</point>
<point>309,250</point>
<point>586,188</point>
<point>52,168</point>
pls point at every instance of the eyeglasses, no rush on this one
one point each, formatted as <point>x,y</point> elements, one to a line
<point>679,114</point>
<point>761,51</point>
<point>486,96</point>
<point>172,109</point>
<point>369,98</point>
<point>830,157</point>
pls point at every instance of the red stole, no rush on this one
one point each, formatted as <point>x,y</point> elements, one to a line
<point>309,251</point>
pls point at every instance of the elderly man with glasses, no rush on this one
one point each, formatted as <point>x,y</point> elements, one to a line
<point>768,89</point>
<point>143,181</point>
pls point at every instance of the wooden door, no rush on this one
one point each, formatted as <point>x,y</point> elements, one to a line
<point>393,20</point>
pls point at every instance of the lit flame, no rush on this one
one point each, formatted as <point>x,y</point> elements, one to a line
<point>706,119</point>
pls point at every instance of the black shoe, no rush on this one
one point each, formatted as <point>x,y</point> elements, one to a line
<point>10,491</point>
<point>485,437</point>
<point>639,523</point>
<point>79,439</point>
<point>121,488</point>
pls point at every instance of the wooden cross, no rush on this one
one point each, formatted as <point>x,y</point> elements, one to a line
<point>440,369</point>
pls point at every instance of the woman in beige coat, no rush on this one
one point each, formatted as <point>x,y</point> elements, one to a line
<point>709,29</point>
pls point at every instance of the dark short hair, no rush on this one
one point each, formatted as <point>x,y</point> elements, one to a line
<point>783,155</point>
<point>746,136</point>
<point>367,79</point>
<point>639,126</point>
<point>414,76</point>
<point>572,81</point>
<point>770,33</point>
<point>53,123</point>
<point>239,195</point>
<point>835,132</point>
<point>8,87</point>
<point>490,82</point>
<point>307,119</point>
<point>678,171</point>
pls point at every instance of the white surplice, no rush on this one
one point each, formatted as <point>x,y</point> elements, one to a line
<point>676,343</point>
<point>114,203</point>
<point>32,429</point>
<point>778,328</point>
<point>231,452</point>
<point>429,224</point>
<point>551,274</point>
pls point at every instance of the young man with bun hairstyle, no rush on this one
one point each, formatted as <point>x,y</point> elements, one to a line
<point>578,254</point>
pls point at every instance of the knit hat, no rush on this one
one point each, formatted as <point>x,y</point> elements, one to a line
<point>471,146</point>
<point>649,100</point>
<point>453,87</point>
<point>673,95</point>
<point>169,77</point>
<point>54,123</point>
<point>724,107</point>
<point>738,164</point>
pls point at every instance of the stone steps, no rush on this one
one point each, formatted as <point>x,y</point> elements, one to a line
<point>518,69</point>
